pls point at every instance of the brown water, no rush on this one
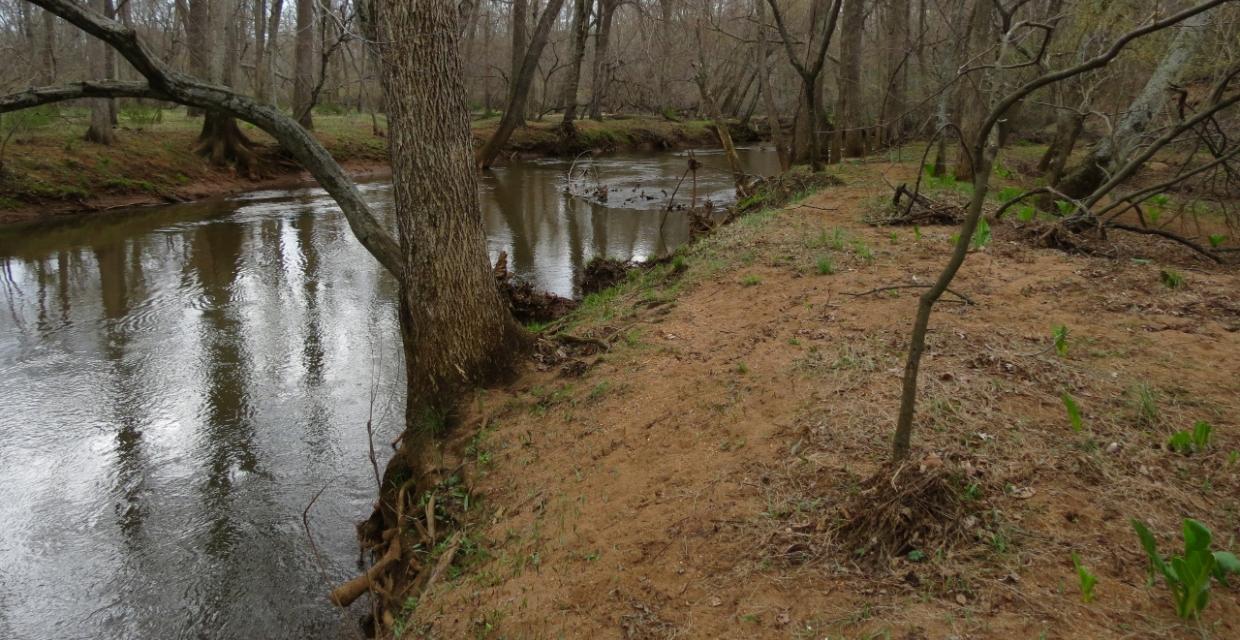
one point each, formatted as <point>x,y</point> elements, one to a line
<point>178,383</point>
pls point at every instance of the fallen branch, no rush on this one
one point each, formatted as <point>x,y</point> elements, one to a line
<point>1165,234</point>
<point>963,298</point>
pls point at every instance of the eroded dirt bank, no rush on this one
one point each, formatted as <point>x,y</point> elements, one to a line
<point>690,481</point>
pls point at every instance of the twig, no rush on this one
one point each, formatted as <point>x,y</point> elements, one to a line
<point>963,298</point>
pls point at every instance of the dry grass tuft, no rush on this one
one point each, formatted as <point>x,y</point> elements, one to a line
<point>910,506</point>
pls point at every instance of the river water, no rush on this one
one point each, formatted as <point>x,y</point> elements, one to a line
<point>179,382</point>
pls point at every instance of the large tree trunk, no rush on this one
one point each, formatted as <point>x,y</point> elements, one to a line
<point>980,36</point>
<point>456,327</point>
<point>599,75</point>
<point>513,112</point>
<point>768,97</point>
<point>303,64</point>
<point>260,50</point>
<point>100,130</point>
<point>47,50</point>
<point>663,71</point>
<point>896,55</point>
<point>520,42</point>
<point>1134,126</point>
<point>273,43</point>
<point>572,81</point>
<point>848,122</point>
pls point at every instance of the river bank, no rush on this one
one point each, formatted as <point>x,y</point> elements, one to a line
<point>49,172</point>
<point>692,479</point>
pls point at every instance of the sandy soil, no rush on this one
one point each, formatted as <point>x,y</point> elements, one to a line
<point>688,484</point>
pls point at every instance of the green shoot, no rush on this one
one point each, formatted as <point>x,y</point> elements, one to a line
<point>981,235</point>
<point>1186,442</point>
<point>1171,278</point>
<point>1060,334</point>
<point>1217,240</point>
<point>1086,579</point>
<point>1025,213</point>
<point>1074,411</point>
<point>750,280</point>
<point>825,266</point>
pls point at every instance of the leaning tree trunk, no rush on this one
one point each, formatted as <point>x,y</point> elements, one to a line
<point>513,112</point>
<point>581,29</point>
<point>456,327</point>
<point>303,64</point>
<point>100,130</point>
<point>599,72</point>
<point>1134,126</point>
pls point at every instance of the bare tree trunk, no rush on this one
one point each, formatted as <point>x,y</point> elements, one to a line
<point>664,80</point>
<point>768,97</point>
<point>702,78</point>
<point>599,73</point>
<point>810,72</point>
<point>303,64</point>
<point>572,81</point>
<point>1132,128</point>
<point>896,41</point>
<point>260,50</point>
<point>47,51</point>
<point>513,113</point>
<point>979,36</point>
<point>100,130</point>
<point>273,43</point>
<point>1068,126</point>
<point>852,26</point>
<point>520,42</point>
<point>456,327</point>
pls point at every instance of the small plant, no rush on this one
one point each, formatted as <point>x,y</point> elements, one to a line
<point>742,368</point>
<point>1074,411</point>
<point>916,233</point>
<point>1187,442</point>
<point>863,251</point>
<point>1026,213</point>
<point>1060,333</point>
<point>825,266</point>
<point>1064,207</point>
<point>1217,240</point>
<point>1188,576</point>
<point>1146,404</point>
<point>750,280</point>
<point>1010,193</point>
<point>981,235</point>
<point>1086,579</point>
<point>1171,278</point>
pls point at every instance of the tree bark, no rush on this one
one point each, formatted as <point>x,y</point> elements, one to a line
<point>513,113</point>
<point>768,97</point>
<point>599,75</point>
<point>572,81</point>
<point>273,43</point>
<point>810,73</point>
<point>260,50</point>
<point>456,327</point>
<point>972,102</point>
<point>303,64</point>
<point>100,130</point>
<point>848,120</point>
<point>520,42</point>
<point>47,51</point>
<point>896,43</point>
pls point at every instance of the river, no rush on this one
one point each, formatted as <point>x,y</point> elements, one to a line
<point>180,381</point>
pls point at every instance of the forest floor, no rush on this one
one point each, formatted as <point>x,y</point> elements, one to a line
<point>691,482</point>
<point>48,170</point>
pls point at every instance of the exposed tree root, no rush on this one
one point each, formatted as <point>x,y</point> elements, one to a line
<point>223,143</point>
